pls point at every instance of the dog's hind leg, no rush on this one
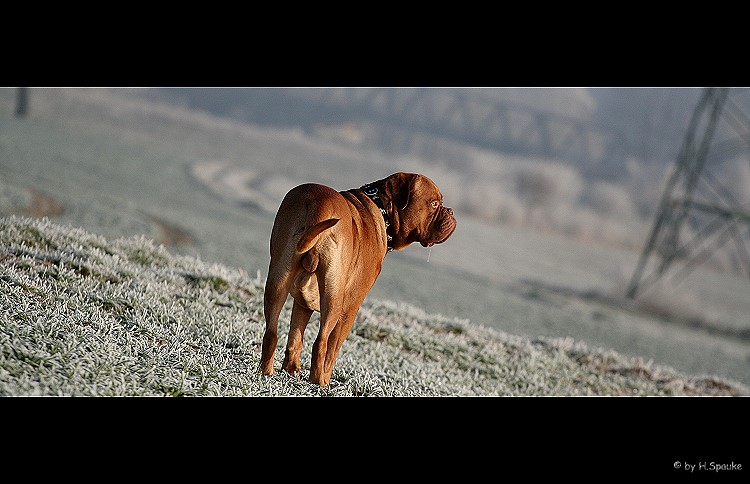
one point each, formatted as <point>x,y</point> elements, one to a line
<point>274,297</point>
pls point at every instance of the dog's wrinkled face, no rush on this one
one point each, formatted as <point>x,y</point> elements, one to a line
<point>417,211</point>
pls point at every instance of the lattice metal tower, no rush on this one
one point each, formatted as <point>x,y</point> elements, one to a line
<point>702,208</point>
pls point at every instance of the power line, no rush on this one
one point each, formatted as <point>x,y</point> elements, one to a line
<point>695,201</point>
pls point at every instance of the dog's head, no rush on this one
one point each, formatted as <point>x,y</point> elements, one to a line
<point>415,206</point>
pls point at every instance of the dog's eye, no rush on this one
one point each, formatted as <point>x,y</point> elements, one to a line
<point>435,204</point>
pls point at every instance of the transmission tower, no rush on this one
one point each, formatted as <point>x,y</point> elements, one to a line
<point>699,214</point>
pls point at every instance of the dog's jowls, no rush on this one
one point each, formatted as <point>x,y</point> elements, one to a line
<point>327,248</point>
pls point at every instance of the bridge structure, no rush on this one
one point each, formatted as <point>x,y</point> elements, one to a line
<point>465,115</point>
<point>700,213</point>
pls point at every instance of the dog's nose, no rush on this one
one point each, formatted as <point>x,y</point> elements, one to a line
<point>449,210</point>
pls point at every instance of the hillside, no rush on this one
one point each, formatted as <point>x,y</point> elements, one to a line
<point>83,315</point>
<point>204,186</point>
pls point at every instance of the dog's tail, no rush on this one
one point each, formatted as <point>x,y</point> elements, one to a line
<point>310,238</point>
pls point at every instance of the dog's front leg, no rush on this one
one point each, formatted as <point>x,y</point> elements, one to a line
<point>300,318</point>
<point>329,317</point>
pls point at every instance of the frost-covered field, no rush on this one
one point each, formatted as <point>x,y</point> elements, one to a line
<point>206,187</point>
<point>82,315</point>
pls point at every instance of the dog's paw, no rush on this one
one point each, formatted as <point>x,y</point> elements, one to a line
<point>267,368</point>
<point>293,368</point>
<point>321,380</point>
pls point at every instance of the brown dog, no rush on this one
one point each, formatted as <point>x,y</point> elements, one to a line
<point>327,249</point>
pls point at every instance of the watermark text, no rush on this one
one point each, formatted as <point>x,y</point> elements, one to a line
<point>707,466</point>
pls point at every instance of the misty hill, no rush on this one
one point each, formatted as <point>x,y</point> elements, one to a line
<point>595,130</point>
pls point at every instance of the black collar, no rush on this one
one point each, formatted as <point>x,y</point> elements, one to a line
<point>372,192</point>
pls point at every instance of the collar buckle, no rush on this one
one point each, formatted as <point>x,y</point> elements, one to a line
<point>372,193</point>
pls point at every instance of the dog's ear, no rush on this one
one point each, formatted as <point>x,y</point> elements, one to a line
<point>400,187</point>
